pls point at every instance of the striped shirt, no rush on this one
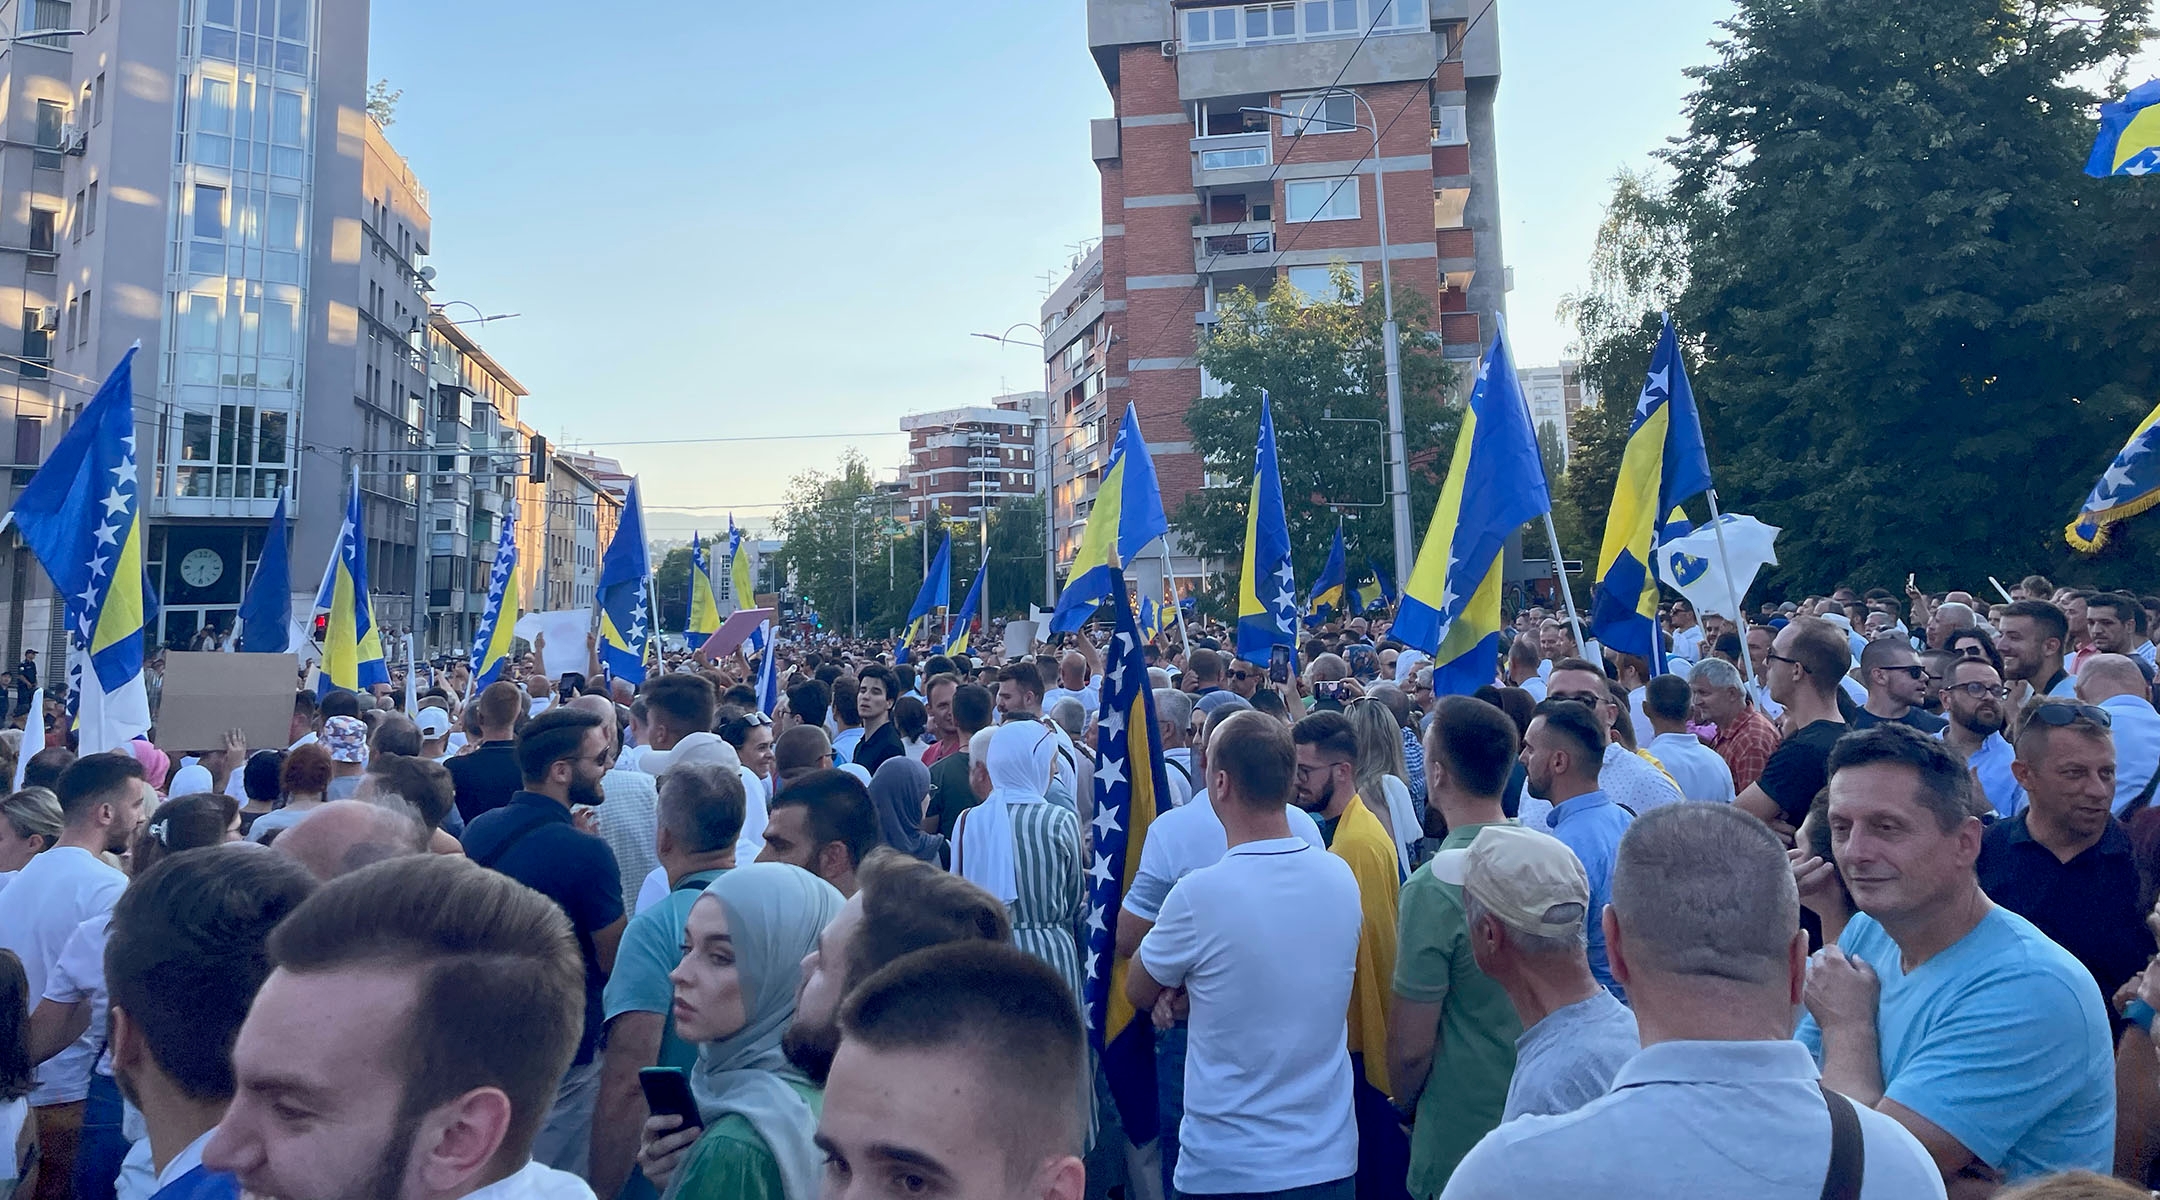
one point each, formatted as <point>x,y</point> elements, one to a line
<point>1053,895</point>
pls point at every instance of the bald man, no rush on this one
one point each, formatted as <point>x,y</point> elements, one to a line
<point>346,835</point>
<point>2114,682</point>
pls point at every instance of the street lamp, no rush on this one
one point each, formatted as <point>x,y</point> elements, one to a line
<point>1043,481</point>
<point>483,318</point>
<point>1399,470</point>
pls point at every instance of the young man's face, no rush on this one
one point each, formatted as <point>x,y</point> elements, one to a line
<point>871,702</point>
<point>941,718</point>
<point>316,1115</point>
<point>929,1123</point>
<point>814,1035</point>
<point>787,838</point>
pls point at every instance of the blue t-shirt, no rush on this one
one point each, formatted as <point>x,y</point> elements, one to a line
<point>2000,1040</point>
<point>1591,825</point>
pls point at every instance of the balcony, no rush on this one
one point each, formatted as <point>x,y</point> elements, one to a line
<point>1231,245</point>
<point>1229,151</point>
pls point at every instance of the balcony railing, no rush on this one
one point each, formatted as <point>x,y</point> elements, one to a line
<point>1227,150</point>
<point>1223,247</point>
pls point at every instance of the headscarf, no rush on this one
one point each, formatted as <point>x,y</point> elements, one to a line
<point>898,790</point>
<point>774,912</point>
<point>156,763</point>
<point>1019,761</point>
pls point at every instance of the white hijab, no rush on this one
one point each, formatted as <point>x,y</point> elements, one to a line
<point>1018,759</point>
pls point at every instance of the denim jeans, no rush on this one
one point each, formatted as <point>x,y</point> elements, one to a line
<point>1340,1189</point>
<point>1170,1097</point>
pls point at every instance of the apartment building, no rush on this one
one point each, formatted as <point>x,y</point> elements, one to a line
<point>582,512</point>
<point>962,461</point>
<point>1201,195</point>
<point>482,474</point>
<point>1076,333</point>
<point>1556,394</point>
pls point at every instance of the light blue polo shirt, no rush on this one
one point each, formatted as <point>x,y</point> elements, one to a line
<point>1991,768</point>
<point>2000,1040</point>
<point>2136,729</point>
<point>1591,825</point>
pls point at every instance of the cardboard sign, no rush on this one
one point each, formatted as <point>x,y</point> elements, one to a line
<point>1019,639</point>
<point>564,630</point>
<point>733,632</point>
<point>208,694</point>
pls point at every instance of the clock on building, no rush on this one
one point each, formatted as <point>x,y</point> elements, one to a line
<point>201,567</point>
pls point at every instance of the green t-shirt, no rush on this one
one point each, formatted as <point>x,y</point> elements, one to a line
<point>1474,1056</point>
<point>731,1162</point>
<point>950,794</point>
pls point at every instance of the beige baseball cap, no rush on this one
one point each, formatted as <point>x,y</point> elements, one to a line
<point>1521,876</point>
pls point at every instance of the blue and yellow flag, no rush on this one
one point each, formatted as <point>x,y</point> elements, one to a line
<point>1267,591</point>
<point>703,619</point>
<point>352,646</point>
<point>742,589</point>
<point>498,622</point>
<point>1451,610</point>
<point>1150,618</point>
<point>2129,141</point>
<point>1129,790</point>
<point>963,622</point>
<point>768,675</point>
<point>1663,466</point>
<point>1128,513</point>
<point>266,610</point>
<point>1330,590</point>
<point>80,515</point>
<point>935,593</point>
<point>2130,486</point>
<point>624,596</point>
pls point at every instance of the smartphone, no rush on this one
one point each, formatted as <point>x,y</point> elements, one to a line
<point>1278,670</point>
<point>667,1093</point>
<point>1328,689</point>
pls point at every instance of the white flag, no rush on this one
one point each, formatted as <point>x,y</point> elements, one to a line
<point>1694,565</point>
<point>33,738</point>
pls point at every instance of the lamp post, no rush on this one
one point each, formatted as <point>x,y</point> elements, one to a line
<point>1399,469</point>
<point>1043,482</point>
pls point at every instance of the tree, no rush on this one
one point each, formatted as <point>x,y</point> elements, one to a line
<point>382,102</point>
<point>1922,330</point>
<point>1600,433</point>
<point>671,590</point>
<point>1320,361</point>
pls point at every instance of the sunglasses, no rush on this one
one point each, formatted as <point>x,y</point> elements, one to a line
<point>1979,691</point>
<point>1243,675</point>
<point>1913,671</point>
<point>2058,714</point>
<point>1590,699</point>
<point>1775,657</point>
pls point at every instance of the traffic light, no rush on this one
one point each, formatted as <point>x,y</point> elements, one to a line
<point>537,471</point>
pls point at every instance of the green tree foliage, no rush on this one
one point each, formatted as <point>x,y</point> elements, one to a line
<point>671,590</point>
<point>1320,361</point>
<point>1923,331</point>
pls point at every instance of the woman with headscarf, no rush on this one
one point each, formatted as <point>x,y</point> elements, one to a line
<point>734,996</point>
<point>1024,850</point>
<point>898,791</point>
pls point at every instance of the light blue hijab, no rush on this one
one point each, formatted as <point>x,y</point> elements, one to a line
<point>774,912</point>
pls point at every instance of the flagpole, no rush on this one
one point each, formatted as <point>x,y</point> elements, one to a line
<point>1175,603</point>
<point>1567,594</point>
<point>1717,523</point>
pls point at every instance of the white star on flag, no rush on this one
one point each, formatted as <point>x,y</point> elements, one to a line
<point>107,534</point>
<point>1101,869</point>
<point>1105,822</point>
<point>1110,771</point>
<point>1095,921</point>
<point>115,503</point>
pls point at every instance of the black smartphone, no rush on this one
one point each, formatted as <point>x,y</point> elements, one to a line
<point>667,1093</point>
<point>1278,670</point>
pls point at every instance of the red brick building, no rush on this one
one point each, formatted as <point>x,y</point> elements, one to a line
<point>962,460</point>
<point>1200,197</point>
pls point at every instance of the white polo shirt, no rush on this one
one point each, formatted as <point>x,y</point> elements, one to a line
<point>46,903</point>
<point>1701,772</point>
<point>1265,944</point>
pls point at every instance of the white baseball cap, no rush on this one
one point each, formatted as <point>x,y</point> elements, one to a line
<point>1531,881</point>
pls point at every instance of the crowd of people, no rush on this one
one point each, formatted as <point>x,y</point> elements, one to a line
<point>1855,898</point>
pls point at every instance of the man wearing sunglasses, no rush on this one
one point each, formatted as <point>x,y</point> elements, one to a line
<point>1896,685</point>
<point>1803,669</point>
<point>1973,699</point>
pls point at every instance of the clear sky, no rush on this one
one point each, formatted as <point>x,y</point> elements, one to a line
<point>742,219</point>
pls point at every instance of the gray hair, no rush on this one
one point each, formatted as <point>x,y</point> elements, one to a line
<point>404,825</point>
<point>1576,943</point>
<point>1070,715</point>
<point>1714,673</point>
<point>1705,891</point>
<point>701,806</point>
<point>1173,706</point>
<point>1962,614</point>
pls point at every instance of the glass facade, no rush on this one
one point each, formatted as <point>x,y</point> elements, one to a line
<point>237,270</point>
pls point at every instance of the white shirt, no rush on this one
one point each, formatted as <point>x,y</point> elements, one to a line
<point>1536,686</point>
<point>1687,643</point>
<point>48,900</point>
<point>1184,840</point>
<point>1088,694</point>
<point>655,888</point>
<point>535,1181</point>
<point>1265,940</point>
<point>1633,782</point>
<point>1763,703</point>
<point>1700,771</point>
<point>1182,783</point>
<point>752,838</point>
<point>12,1115</point>
<point>78,976</point>
<point>1641,716</point>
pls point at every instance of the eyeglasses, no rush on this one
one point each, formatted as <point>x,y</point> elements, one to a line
<point>1910,671</point>
<point>1591,699</point>
<point>1243,675</point>
<point>2058,714</point>
<point>1775,657</point>
<point>1978,690</point>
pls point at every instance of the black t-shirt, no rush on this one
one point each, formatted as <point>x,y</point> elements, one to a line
<point>485,778</point>
<point>874,748</point>
<point>533,841</point>
<point>950,794</point>
<point>2088,906</point>
<point>1799,768</point>
<point>1926,722</point>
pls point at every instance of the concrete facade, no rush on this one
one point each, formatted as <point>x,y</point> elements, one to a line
<point>1556,394</point>
<point>1199,198</point>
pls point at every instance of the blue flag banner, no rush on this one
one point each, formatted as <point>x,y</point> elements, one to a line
<point>703,618</point>
<point>1494,484</point>
<point>1129,791</point>
<point>266,610</point>
<point>1267,590</point>
<point>1663,466</point>
<point>80,515</point>
<point>2129,140</point>
<point>624,596</point>
<point>2130,485</point>
<point>1331,589</point>
<point>492,640</point>
<point>935,593</point>
<point>768,675</point>
<point>963,622</point>
<point>1128,514</point>
<point>352,646</point>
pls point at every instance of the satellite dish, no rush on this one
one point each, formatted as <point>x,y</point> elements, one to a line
<point>427,274</point>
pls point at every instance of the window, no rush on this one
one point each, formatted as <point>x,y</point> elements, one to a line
<point>29,440</point>
<point>214,123</point>
<point>1450,125</point>
<point>1318,283</point>
<point>97,100</point>
<point>44,235</point>
<point>1332,16</point>
<point>1222,160</point>
<point>74,322</point>
<point>209,211</point>
<point>75,231</point>
<point>51,115</point>
<point>90,211</point>
<point>1398,14</point>
<point>1320,200</point>
<point>1448,206</point>
<point>36,344</point>
<point>1335,112</point>
<point>87,311</point>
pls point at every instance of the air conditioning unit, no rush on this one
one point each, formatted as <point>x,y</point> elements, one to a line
<point>74,139</point>
<point>48,320</point>
<point>1169,49</point>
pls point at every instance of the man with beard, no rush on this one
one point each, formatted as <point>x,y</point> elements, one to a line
<point>562,755</point>
<point>2065,863</point>
<point>408,1041</point>
<point>1564,753</point>
<point>1326,786</point>
<point>2114,682</point>
<point>185,958</point>
<point>1896,687</point>
<point>2031,638</point>
<point>2116,623</point>
<point>1973,700</point>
